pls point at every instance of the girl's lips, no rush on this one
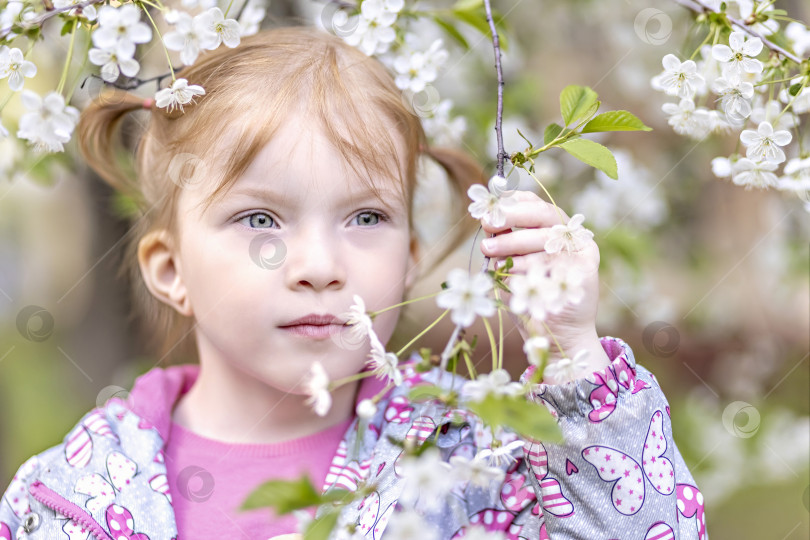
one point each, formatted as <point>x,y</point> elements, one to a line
<point>317,331</point>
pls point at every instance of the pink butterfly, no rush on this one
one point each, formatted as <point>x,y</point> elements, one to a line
<point>690,503</point>
<point>79,443</point>
<point>553,500</point>
<point>344,473</point>
<point>613,465</point>
<point>603,397</point>
<point>120,523</point>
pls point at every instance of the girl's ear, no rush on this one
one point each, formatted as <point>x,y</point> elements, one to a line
<point>412,273</point>
<point>161,270</point>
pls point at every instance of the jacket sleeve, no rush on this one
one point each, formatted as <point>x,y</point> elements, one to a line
<point>14,504</point>
<point>618,473</point>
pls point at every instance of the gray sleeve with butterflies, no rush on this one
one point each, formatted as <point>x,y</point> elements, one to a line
<point>618,474</point>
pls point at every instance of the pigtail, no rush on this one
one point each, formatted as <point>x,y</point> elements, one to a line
<point>462,171</point>
<point>100,144</point>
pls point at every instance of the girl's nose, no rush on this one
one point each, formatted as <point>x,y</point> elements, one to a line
<point>314,261</point>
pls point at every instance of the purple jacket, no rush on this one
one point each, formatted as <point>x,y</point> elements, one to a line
<point>618,475</point>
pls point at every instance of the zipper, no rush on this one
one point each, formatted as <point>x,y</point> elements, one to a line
<point>53,500</point>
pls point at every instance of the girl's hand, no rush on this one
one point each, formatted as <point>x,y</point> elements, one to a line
<point>523,237</point>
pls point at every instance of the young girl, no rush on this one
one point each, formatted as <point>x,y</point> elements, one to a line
<point>303,142</point>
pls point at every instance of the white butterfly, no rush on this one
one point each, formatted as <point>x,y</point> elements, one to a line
<point>120,470</point>
<point>615,466</point>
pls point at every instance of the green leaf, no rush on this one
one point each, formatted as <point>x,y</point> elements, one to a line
<point>615,121</point>
<point>67,27</point>
<point>321,527</point>
<point>522,416</point>
<point>467,5</point>
<point>452,31</point>
<point>794,89</point>
<point>594,154</point>
<point>283,496</point>
<point>478,20</point>
<point>551,132</point>
<point>425,392</point>
<point>576,102</point>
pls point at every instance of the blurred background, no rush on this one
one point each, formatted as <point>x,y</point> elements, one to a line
<point>707,282</point>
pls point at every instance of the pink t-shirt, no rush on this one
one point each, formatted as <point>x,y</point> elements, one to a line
<point>209,480</point>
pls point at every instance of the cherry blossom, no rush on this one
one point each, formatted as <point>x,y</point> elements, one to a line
<point>796,176</point>
<point>88,12</point>
<point>359,322</point>
<point>121,29</point>
<point>416,69</point>
<point>384,363</point>
<point>685,119</point>
<point>366,409</point>
<point>489,203</point>
<point>735,97</point>
<point>570,237</point>
<point>191,35</point>
<point>536,348</point>
<point>226,30</point>
<point>111,65</point>
<point>179,94</point>
<point>531,292</point>
<point>14,66</point>
<point>565,287</point>
<point>799,34</point>
<point>316,386</point>
<point>373,33</point>
<point>467,296</point>
<point>753,174</point>
<point>476,471</point>
<point>425,478</point>
<point>738,56</point>
<point>765,143</point>
<point>49,123</point>
<point>495,383</point>
<point>567,369</point>
<point>678,78</point>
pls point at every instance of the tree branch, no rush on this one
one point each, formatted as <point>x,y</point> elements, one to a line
<point>699,7</point>
<point>38,20</point>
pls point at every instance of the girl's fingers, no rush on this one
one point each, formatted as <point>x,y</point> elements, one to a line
<point>520,242</point>
<point>586,261</point>
<point>529,211</point>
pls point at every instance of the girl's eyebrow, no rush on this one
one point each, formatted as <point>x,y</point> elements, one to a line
<point>270,196</point>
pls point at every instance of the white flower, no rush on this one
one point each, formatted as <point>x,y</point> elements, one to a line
<point>416,69</point>
<point>735,97</point>
<point>685,119</point>
<point>373,32</point>
<point>800,36</point>
<point>121,28</point>
<point>191,35</point>
<point>3,131</point>
<point>316,386</point>
<point>495,383</point>
<point>366,409</point>
<point>536,348</point>
<point>530,292</point>
<point>737,56</point>
<point>88,12</point>
<point>111,65</point>
<point>225,30</point>
<point>770,112</point>
<point>800,103</point>
<point>252,15</point>
<point>721,167</point>
<point>177,95</point>
<point>359,322</point>
<point>50,122</point>
<point>440,128</point>
<point>410,525</point>
<point>501,455</point>
<point>467,296</point>
<point>764,143</point>
<point>476,471</point>
<point>754,174</point>
<point>796,176</point>
<point>570,237</point>
<point>384,363</point>
<point>14,66</point>
<point>567,369</point>
<point>565,285</point>
<point>490,203</point>
<point>678,79</point>
<point>425,478</point>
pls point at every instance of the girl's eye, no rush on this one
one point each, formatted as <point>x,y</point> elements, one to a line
<point>259,220</point>
<point>370,218</point>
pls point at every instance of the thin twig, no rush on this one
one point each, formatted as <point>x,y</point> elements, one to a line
<point>38,20</point>
<point>699,7</point>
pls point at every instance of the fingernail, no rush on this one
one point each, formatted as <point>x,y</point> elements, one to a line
<point>488,243</point>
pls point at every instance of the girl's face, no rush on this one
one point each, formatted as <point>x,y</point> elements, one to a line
<point>297,234</point>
